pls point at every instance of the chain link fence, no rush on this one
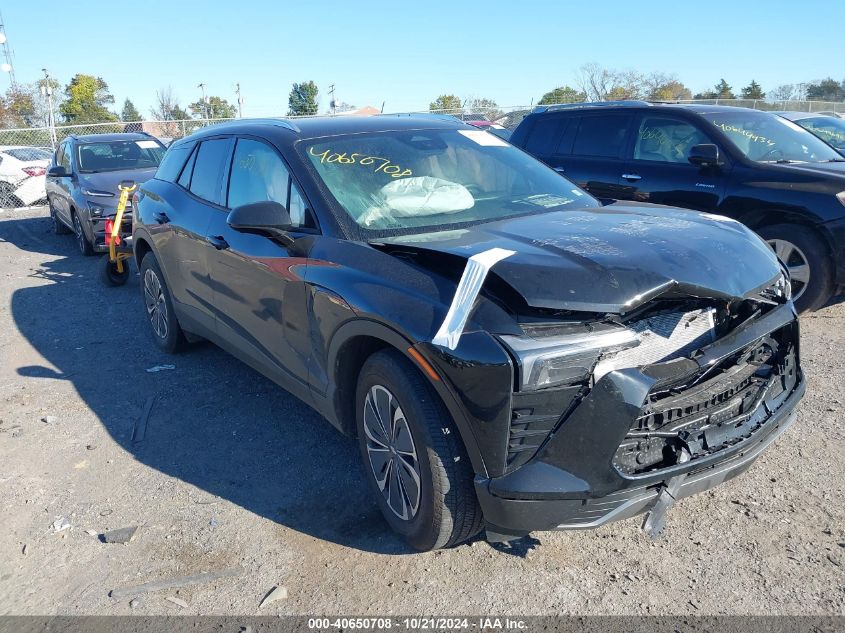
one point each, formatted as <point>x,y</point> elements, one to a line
<point>26,152</point>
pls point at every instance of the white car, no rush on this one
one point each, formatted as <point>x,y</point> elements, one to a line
<point>23,174</point>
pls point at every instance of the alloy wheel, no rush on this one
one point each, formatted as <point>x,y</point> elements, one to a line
<point>156,305</point>
<point>80,234</point>
<point>795,260</point>
<point>392,453</point>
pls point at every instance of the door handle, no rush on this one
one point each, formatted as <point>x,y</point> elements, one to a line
<point>217,242</point>
<point>559,170</point>
<point>632,177</point>
<point>161,217</point>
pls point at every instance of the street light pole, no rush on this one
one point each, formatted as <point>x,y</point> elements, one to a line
<point>7,53</point>
<point>332,104</point>
<point>240,100</point>
<point>201,86</point>
<point>47,91</point>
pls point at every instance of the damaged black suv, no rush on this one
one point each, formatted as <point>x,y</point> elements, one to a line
<point>511,355</point>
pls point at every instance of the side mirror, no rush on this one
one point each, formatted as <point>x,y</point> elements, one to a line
<point>266,217</point>
<point>58,172</point>
<point>704,155</point>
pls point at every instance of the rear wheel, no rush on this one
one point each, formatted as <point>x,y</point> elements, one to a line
<point>81,239</point>
<point>166,331</point>
<point>806,256</point>
<point>413,456</point>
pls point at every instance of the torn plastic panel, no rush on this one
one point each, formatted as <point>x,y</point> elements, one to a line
<point>465,295</point>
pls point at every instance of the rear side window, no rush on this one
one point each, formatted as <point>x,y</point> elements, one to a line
<point>543,135</point>
<point>603,135</point>
<point>28,154</point>
<point>172,162</point>
<point>185,178</point>
<point>209,167</point>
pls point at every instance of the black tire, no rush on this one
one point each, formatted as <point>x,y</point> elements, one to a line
<point>810,247</point>
<point>170,338</point>
<point>58,226</point>
<point>82,241</point>
<point>447,510</point>
<point>110,275</point>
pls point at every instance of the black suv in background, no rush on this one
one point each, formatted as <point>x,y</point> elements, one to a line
<point>83,177</point>
<point>755,167</point>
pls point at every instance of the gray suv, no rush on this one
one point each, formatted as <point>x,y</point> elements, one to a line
<point>83,178</point>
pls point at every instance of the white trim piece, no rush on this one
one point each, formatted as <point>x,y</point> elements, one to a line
<point>467,291</point>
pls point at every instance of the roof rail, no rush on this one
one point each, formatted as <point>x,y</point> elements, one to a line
<point>593,104</point>
<point>285,123</point>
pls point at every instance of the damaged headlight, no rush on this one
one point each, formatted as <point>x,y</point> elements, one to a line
<point>565,358</point>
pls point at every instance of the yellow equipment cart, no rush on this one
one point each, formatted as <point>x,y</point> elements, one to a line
<point>115,267</point>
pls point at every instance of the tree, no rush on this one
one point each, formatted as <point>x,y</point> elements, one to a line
<point>446,102</point>
<point>87,100</point>
<point>826,90</point>
<point>753,91</point>
<point>723,90</point>
<point>213,108</point>
<point>167,107</point>
<point>303,99</point>
<point>18,107</point>
<point>482,105</point>
<point>663,87</point>
<point>788,92</point>
<point>129,112</point>
<point>562,94</point>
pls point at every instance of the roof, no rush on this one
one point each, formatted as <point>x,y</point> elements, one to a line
<point>311,127</point>
<point>106,138</point>
<point>691,107</point>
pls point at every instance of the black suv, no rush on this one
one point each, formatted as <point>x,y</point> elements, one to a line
<point>767,172</point>
<point>83,177</point>
<point>510,353</point>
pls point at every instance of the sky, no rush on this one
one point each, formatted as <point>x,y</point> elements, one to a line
<point>406,54</point>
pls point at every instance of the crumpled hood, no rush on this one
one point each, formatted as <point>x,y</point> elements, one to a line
<point>613,258</point>
<point>108,180</point>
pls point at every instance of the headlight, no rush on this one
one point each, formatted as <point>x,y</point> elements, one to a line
<point>565,358</point>
<point>94,193</point>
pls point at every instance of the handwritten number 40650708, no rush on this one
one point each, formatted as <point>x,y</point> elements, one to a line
<point>381,164</point>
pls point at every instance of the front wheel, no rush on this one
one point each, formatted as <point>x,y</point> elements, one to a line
<point>808,260</point>
<point>414,459</point>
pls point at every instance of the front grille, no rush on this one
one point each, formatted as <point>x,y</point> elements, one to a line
<point>712,415</point>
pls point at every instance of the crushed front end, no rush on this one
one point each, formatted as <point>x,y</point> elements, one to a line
<point>615,416</point>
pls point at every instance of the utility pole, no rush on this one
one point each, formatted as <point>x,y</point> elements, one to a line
<point>7,53</point>
<point>240,101</point>
<point>332,103</point>
<point>201,86</point>
<point>47,91</point>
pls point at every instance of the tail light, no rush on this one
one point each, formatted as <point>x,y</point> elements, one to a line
<point>35,171</point>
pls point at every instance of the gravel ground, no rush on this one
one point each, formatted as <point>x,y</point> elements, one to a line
<point>232,474</point>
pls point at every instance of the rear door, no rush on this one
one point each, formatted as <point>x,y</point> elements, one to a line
<point>658,170</point>
<point>183,221</point>
<point>596,160</point>
<point>259,295</point>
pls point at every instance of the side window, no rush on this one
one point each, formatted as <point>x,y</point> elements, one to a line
<point>259,174</point>
<point>602,135</point>
<point>64,157</point>
<point>187,170</point>
<point>666,140</point>
<point>172,162</point>
<point>209,166</point>
<point>543,135</point>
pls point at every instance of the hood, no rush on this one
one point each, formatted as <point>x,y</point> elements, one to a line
<point>108,180</point>
<point>613,258</point>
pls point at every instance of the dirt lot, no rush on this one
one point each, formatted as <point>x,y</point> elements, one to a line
<point>234,474</point>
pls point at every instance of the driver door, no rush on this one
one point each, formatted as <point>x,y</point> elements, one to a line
<point>259,294</point>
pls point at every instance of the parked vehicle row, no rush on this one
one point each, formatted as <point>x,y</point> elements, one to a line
<point>82,184</point>
<point>22,174</point>
<point>763,170</point>
<point>512,353</point>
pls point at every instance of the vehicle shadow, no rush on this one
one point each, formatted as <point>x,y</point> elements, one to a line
<point>214,422</point>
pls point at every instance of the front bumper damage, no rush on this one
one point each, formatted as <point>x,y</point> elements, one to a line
<point>638,442</point>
